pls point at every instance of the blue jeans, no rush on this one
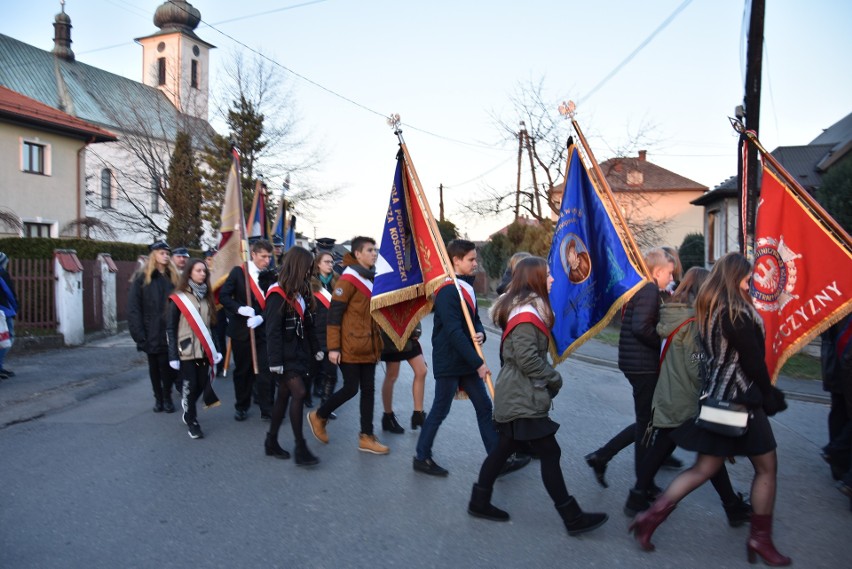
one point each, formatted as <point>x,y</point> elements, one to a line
<point>10,322</point>
<point>445,390</point>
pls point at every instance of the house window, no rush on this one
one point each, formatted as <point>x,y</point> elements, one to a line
<point>106,188</point>
<point>635,178</point>
<point>36,229</point>
<point>712,234</point>
<point>33,157</point>
<point>155,195</point>
<point>194,76</point>
<point>161,71</point>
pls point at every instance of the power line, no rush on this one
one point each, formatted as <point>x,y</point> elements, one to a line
<point>633,54</point>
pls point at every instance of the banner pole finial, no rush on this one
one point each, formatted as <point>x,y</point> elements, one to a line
<point>395,123</point>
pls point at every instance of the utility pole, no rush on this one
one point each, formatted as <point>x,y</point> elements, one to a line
<point>522,131</point>
<point>754,65</point>
<point>440,202</point>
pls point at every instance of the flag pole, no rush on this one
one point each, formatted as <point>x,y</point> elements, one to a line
<point>567,110</point>
<point>394,122</point>
<point>822,216</point>
<point>243,250</point>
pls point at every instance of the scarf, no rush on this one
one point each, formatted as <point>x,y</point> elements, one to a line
<point>199,290</point>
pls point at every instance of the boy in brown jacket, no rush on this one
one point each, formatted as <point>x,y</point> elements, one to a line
<point>354,344</point>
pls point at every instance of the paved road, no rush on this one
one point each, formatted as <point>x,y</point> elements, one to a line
<point>91,478</point>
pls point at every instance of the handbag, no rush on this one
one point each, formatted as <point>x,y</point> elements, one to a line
<point>723,417</point>
<point>5,337</point>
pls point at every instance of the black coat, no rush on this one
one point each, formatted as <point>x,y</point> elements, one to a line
<point>146,312</point>
<point>638,342</point>
<point>232,296</point>
<point>456,355</point>
<point>290,341</point>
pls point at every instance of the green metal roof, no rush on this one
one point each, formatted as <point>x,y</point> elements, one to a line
<point>92,94</point>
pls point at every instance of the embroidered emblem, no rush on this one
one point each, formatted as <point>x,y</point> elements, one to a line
<point>338,291</point>
<point>774,277</point>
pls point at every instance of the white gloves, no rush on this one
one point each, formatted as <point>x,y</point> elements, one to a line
<point>277,369</point>
<point>254,321</point>
<point>217,357</point>
<point>319,356</point>
<point>246,311</point>
<point>174,364</point>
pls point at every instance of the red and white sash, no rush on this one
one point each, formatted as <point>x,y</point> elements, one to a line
<point>351,276</point>
<point>255,289</point>
<point>323,296</point>
<point>664,348</point>
<point>193,318</point>
<point>298,304</point>
<point>524,314</point>
<point>466,290</point>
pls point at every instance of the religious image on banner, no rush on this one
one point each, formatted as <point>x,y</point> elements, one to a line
<point>593,274</point>
<point>802,272</point>
<point>408,268</point>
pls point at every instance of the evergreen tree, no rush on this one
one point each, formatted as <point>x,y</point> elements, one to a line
<point>183,195</point>
<point>448,230</point>
<point>835,193</point>
<point>245,125</point>
<point>691,251</point>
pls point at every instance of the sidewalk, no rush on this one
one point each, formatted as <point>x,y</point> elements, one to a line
<point>600,353</point>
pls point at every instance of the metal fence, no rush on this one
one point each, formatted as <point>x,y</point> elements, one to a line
<point>34,282</point>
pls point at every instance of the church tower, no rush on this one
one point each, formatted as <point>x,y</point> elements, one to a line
<point>177,61</point>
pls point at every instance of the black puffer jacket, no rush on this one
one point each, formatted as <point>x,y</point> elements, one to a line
<point>146,312</point>
<point>290,341</point>
<point>638,343</point>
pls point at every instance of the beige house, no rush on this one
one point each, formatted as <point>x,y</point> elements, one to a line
<point>655,202</point>
<point>42,166</point>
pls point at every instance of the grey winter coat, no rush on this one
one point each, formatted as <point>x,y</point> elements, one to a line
<point>527,383</point>
<point>679,385</point>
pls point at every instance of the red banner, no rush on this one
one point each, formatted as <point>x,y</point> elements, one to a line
<point>802,272</point>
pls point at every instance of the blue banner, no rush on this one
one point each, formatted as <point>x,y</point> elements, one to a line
<point>593,275</point>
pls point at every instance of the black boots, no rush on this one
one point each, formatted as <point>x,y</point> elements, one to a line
<point>303,456</point>
<point>272,447</point>
<point>738,511</point>
<point>417,419</point>
<point>598,464</point>
<point>158,406</point>
<point>168,406</point>
<point>480,505</point>
<point>576,520</point>
<point>389,423</point>
<point>637,501</point>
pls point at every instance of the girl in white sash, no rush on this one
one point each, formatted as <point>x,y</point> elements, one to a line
<point>523,396</point>
<point>192,348</point>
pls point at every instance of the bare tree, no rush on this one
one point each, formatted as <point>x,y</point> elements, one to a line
<point>11,220</point>
<point>90,227</point>
<point>258,105</point>
<point>541,136</point>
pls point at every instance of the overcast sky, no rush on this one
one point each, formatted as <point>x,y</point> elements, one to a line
<point>448,66</point>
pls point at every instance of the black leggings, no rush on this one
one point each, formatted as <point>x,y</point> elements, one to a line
<point>546,448</point>
<point>660,449</point>
<point>162,376</point>
<point>292,388</point>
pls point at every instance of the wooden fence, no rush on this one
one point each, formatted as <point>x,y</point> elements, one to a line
<point>34,282</point>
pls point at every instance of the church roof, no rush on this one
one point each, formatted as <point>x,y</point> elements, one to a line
<point>92,94</point>
<point>18,108</point>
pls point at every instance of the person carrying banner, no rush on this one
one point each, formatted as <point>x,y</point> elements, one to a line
<point>354,343</point>
<point>732,336</point>
<point>146,319</point>
<point>457,365</point>
<point>676,399</point>
<point>639,361</point>
<point>243,317</point>
<point>193,349</point>
<point>523,396</point>
<point>292,348</point>
<point>322,284</point>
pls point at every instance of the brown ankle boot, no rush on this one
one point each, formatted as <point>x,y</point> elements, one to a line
<point>646,523</point>
<point>760,543</point>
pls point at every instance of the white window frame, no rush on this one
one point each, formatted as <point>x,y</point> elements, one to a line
<point>48,170</point>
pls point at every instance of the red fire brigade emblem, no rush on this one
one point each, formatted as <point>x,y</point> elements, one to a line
<point>774,277</point>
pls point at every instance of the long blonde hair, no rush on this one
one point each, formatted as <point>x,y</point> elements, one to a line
<point>722,289</point>
<point>171,271</point>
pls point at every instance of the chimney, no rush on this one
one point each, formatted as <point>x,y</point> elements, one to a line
<point>62,35</point>
<point>642,154</point>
